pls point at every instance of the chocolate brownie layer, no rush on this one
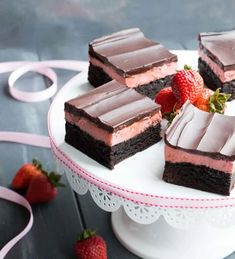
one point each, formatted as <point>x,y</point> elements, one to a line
<point>97,77</point>
<point>198,177</point>
<point>109,156</point>
<point>154,87</point>
<point>213,82</point>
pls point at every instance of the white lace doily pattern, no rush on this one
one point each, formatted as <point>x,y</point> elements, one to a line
<point>182,218</point>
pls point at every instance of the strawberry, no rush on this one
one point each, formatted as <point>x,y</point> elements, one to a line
<point>187,85</point>
<point>25,174</point>
<point>202,101</point>
<point>90,246</point>
<point>210,101</point>
<point>43,187</point>
<point>166,99</point>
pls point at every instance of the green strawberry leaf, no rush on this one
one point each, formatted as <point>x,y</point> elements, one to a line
<point>37,164</point>
<point>86,233</point>
<point>54,179</point>
<point>217,101</point>
<point>187,67</point>
<point>171,115</point>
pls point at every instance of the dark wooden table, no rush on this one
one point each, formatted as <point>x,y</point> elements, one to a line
<point>59,29</point>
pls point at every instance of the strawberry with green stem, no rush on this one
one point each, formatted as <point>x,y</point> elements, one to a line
<point>210,101</point>
<point>90,246</point>
<point>202,100</point>
<point>43,188</point>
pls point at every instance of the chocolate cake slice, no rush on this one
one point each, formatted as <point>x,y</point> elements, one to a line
<point>200,151</point>
<point>112,123</point>
<point>217,60</point>
<point>133,60</point>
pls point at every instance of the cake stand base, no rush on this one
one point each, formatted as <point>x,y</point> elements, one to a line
<point>161,241</point>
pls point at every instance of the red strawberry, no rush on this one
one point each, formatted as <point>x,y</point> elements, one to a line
<point>25,174</point>
<point>206,93</point>
<point>210,101</point>
<point>187,85</point>
<point>202,101</point>
<point>167,100</point>
<point>90,246</point>
<point>43,188</point>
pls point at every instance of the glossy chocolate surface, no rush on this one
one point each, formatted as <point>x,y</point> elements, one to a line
<point>112,106</point>
<point>129,52</point>
<point>197,131</point>
<point>220,47</point>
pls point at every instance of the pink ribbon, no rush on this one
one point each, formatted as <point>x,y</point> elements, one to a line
<point>9,195</point>
<point>19,69</point>
<point>33,96</point>
<point>25,138</point>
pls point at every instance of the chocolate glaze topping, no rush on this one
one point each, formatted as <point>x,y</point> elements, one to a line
<point>220,47</point>
<point>211,134</point>
<point>129,52</point>
<point>112,106</point>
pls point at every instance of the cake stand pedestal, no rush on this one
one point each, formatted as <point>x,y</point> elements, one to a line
<point>160,240</point>
<point>150,218</point>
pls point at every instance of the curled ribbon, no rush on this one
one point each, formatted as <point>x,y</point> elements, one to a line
<point>42,67</point>
<point>19,69</point>
<point>16,198</point>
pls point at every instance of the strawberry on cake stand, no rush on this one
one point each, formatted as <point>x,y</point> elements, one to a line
<point>150,217</point>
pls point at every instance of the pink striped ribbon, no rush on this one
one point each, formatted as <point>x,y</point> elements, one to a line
<point>18,69</point>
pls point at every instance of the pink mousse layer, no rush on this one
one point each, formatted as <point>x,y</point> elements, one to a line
<point>111,139</point>
<point>151,75</point>
<point>180,156</point>
<point>224,76</point>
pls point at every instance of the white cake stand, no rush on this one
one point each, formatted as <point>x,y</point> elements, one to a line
<point>151,218</point>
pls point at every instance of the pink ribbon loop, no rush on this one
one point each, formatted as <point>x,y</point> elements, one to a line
<point>33,96</point>
<point>19,68</point>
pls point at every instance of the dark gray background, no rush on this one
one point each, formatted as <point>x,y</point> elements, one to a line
<point>61,29</point>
